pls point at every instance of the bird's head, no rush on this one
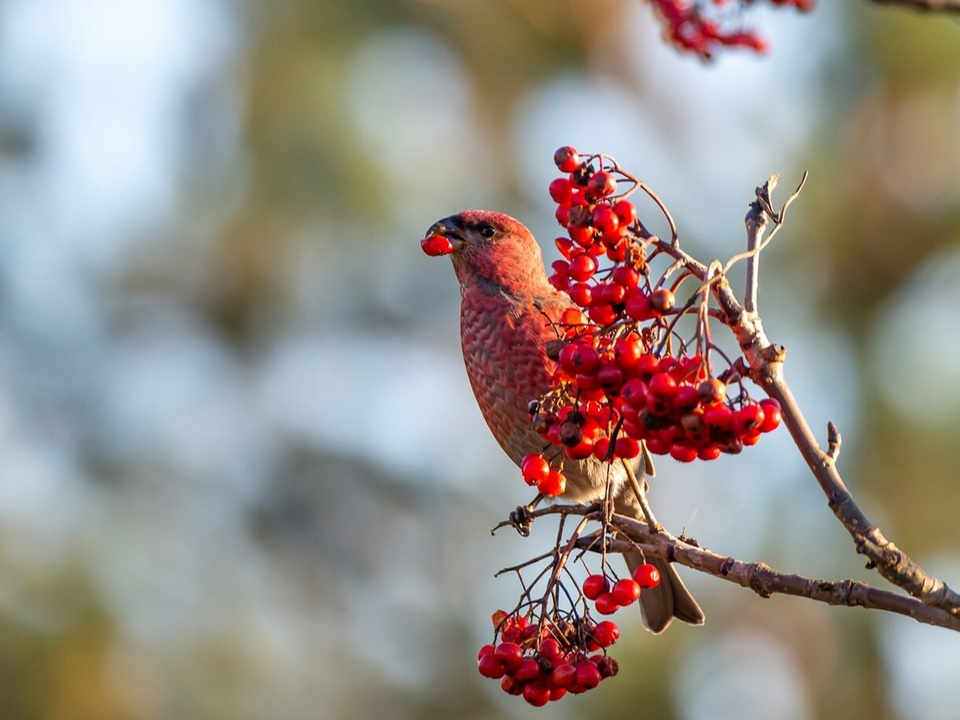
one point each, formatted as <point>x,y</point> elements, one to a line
<point>488,246</point>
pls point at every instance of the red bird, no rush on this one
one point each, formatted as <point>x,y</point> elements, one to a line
<point>507,306</point>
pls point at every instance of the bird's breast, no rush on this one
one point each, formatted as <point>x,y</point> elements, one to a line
<point>503,351</point>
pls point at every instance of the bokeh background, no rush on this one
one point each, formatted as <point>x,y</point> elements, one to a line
<point>241,471</point>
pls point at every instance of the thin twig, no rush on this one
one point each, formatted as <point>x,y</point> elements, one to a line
<point>674,235</point>
<point>756,222</point>
<point>641,494</point>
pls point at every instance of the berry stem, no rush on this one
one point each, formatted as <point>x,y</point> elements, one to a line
<point>641,494</point>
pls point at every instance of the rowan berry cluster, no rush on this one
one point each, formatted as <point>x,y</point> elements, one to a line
<point>609,597</point>
<point>616,383</point>
<point>544,661</point>
<point>698,28</point>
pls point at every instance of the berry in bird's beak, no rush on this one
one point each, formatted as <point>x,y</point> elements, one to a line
<point>444,237</point>
<point>436,245</point>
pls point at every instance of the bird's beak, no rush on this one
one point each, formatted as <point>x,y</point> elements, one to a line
<point>451,229</point>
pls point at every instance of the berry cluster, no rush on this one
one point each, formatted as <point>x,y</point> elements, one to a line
<point>544,661</point>
<point>616,385</point>
<point>608,598</point>
<point>696,27</point>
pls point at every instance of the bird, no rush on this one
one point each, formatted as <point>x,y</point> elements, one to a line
<point>508,311</point>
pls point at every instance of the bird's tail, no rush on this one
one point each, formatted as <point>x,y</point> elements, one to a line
<point>670,599</point>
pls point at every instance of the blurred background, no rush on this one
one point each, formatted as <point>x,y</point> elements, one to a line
<point>241,471</point>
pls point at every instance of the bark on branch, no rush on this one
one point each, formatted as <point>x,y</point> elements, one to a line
<point>765,361</point>
<point>757,576</point>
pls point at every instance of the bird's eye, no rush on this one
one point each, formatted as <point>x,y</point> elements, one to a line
<point>488,230</point>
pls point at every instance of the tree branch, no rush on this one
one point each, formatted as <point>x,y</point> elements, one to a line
<point>765,361</point>
<point>758,576</point>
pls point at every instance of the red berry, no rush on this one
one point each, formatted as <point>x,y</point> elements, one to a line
<point>683,452</point>
<point>626,211</point>
<point>748,419</point>
<point>582,236</point>
<point>536,694</point>
<point>626,448</point>
<point>581,450</point>
<point>626,591</point>
<point>659,406</point>
<point>534,468</point>
<point>560,191</point>
<point>606,633</point>
<point>582,267</point>
<point>686,397</point>
<point>578,357</point>
<point>602,184</point>
<point>771,415</point>
<point>609,376</point>
<point>572,317</point>
<point>662,385</point>
<point>560,278</point>
<point>490,667</point>
<point>594,586</point>
<point>612,293</point>
<point>564,245</point>
<point>710,452</point>
<point>564,675</point>
<point>627,351</point>
<point>634,393</point>
<point>551,649</point>
<point>510,685</point>
<point>567,159</point>
<point>638,306</point>
<point>601,314</point>
<point>581,293</point>
<point>436,245</point>
<point>605,219</point>
<point>625,276</point>
<point>657,445</point>
<point>588,676</point>
<point>647,575</point>
<point>601,449</point>
<point>587,383</point>
<point>554,483</point>
<point>509,654</point>
<point>647,366</point>
<point>719,417</point>
<point>617,252</point>
<point>668,363</point>
<point>528,670</point>
<point>607,604</point>
<point>485,650</point>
